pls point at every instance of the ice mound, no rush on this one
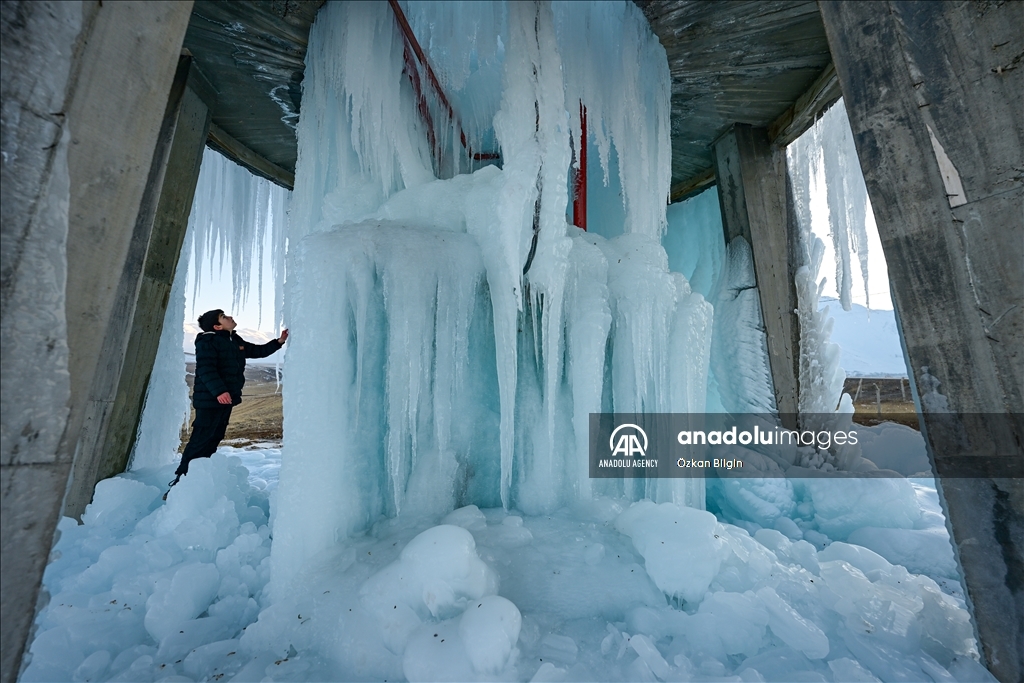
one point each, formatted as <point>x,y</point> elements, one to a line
<point>896,447</point>
<point>479,645</point>
<point>682,547</point>
<point>435,577</point>
<point>599,591</point>
<point>140,586</point>
<point>841,611</point>
<point>842,505</point>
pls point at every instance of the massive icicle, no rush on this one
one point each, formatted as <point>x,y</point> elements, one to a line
<point>451,337</point>
<point>846,194</point>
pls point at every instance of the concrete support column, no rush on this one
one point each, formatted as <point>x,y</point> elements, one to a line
<point>753,189</point>
<point>85,87</point>
<point>105,447</point>
<point>38,40</point>
<point>933,92</point>
<point>110,160</point>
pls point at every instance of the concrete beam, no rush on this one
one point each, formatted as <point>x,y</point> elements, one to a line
<point>934,97</point>
<point>221,141</point>
<point>692,186</point>
<point>165,207</point>
<point>753,188</point>
<point>802,114</point>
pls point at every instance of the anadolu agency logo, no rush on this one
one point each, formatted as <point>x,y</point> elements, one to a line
<point>628,443</point>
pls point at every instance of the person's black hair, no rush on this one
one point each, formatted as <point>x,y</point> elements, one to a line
<point>209,319</point>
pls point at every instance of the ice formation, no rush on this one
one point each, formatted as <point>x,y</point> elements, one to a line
<point>452,333</point>
<point>148,591</point>
<point>237,217</point>
<point>820,161</point>
<point>826,156</point>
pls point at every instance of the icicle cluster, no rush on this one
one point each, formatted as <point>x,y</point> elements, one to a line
<point>617,68</point>
<point>451,337</point>
<point>361,113</point>
<point>817,161</point>
<point>835,163</point>
<point>238,216</point>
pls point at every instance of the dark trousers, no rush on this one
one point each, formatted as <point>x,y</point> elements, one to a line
<point>208,429</point>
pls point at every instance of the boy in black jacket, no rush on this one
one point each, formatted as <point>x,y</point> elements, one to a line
<point>220,375</point>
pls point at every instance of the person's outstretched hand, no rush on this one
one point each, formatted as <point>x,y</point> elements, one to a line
<point>224,398</point>
<point>283,338</point>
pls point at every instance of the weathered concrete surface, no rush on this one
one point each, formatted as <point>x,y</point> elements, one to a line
<point>164,216</point>
<point>935,100</point>
<point>753,192</point>
<point>38,39</point>
<point>124,70</point>
<point>70,71</point>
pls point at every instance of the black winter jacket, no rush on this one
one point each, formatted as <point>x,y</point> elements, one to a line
<point>220,366</point>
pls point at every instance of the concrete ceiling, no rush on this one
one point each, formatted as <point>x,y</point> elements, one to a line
<point>733,62</point>
<point>252,53</point>
<point>746,61</point>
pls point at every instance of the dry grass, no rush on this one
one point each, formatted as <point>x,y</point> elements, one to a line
<point>258,418</point>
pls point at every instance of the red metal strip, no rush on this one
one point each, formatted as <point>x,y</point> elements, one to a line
<point>412,43</point>
<point>579,189</point>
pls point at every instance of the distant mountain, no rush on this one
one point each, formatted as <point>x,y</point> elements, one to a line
<point>255,336</point>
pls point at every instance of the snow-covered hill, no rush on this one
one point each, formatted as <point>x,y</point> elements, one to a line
<point>870,341</point>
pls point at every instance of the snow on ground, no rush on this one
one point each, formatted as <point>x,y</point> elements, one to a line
<point>151,591</point>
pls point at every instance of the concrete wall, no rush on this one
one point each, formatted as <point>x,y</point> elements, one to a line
<point>74,167</point>
<point>935,99</point>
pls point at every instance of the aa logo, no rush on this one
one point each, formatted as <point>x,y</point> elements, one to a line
<point>628,441</point>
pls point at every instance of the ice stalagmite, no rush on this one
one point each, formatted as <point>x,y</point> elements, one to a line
<point>453,333</point>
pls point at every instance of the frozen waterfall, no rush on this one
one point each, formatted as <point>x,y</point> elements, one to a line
<point>452,333</point>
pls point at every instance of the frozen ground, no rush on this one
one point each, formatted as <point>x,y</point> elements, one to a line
<point>792,580</point>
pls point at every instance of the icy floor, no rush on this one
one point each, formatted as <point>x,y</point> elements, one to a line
<point>152,591</point>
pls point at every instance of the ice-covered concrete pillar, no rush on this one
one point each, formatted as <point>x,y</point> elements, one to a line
<point>85,86</point>
<point>754,196</point>
<point>933,92</point>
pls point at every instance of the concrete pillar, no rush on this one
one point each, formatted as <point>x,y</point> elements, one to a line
<point>84,91</point>
<point>116,126</point>
<point>933,92</point>
<point>753,189</point>
<point>112,423</point>
<point>38,37</point>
